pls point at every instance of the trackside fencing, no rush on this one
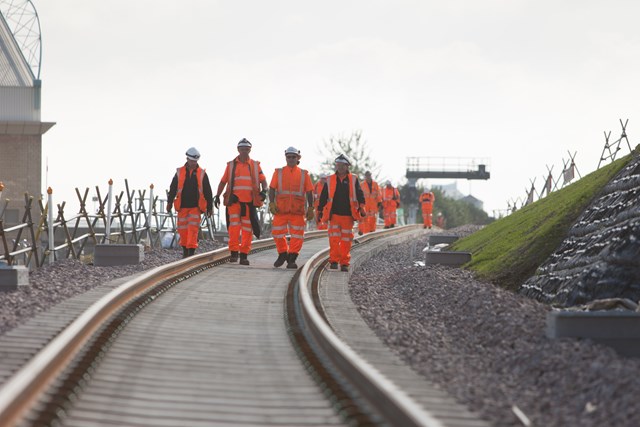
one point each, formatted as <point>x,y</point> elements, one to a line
<point>46,234</point>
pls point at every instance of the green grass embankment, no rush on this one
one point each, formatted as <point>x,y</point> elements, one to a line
<point>508,251</point>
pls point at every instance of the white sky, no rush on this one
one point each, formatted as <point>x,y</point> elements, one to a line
<point>133,84</point>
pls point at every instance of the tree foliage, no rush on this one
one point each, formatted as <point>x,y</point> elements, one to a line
<point>355,148</point>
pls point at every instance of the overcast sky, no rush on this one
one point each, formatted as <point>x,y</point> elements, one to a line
<point>133,84</point>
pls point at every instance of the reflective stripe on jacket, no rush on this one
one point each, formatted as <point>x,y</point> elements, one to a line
<point>353,201</point>
<point>182,176</point>
<point>244,186</point>
<point>290,194</point>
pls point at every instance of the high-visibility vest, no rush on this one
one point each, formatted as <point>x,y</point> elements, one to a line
<point>290,191</point>
<point>390,194</point>
<point>182,176</point>
<point>241,183</point>
<point>317,191</point>
<point>427,200</point>
<point>371,198</point>
<point>353,201</point>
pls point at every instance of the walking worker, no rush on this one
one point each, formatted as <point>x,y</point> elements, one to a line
<point>390,202</point>
<point>190,194</point>
<point>341,203</point>
<point>317,190</point>
<point>426,199</point>
<point>246,190</point>
<point>291,200</point>
<point>372,203</point>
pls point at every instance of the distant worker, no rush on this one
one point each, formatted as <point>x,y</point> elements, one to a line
<point>441,221</point>
<point>246,191</point>
<point>190,194</point>
<point>372,201</point>
<point>290,201</point>
<point>390,202</point>
<point>426,199</point>
<point>317,190</point>
<point>341,203</point>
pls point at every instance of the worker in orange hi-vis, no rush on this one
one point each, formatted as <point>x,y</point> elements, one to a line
<point>390,202</point>
<point>190,194</point>
<point>372,203</point>
<point>426,199</point>
<point>291,201</point>
<point>341,203</point>
<point>246,191</point>
<point>317,190</point>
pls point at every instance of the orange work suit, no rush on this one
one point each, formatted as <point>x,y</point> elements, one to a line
<point>189,218</point>
<point>341,226</point>
<point>291,186</point>
<point>317,190</point>
<point>243,188</point>
<point>426,199</point>
<point>372,198</point>
<point>390,202</point>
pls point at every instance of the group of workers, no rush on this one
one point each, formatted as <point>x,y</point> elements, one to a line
<point>335,202</point>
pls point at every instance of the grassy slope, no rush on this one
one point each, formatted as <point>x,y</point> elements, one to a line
<point>509,250</point>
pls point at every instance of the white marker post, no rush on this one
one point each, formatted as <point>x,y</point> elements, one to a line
<point>52,230</point>
<point>107,230</point>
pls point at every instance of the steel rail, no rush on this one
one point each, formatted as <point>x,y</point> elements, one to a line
<point>22,391</point>
<point>391,403</point>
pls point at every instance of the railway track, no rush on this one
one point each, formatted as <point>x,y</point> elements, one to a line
<point>202,342</point>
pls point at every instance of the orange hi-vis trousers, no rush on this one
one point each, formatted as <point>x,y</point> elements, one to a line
<point>294,224</point>
<point>389,213</point>
<point>368,223</point>
<point>240,231</point>
<point>427,215</point>
<point>189,226</point>
<point>340,238</point>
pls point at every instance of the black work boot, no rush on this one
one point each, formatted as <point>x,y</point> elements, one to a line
<point>185,252</point>
<point>333,266</point>
<point>243,259</point>
<point>234,256</point>
<point>291,261</point>
<point>192,251</point>
<point>282,257</point>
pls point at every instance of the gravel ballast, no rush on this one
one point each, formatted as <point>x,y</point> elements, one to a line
<point>483,345</point>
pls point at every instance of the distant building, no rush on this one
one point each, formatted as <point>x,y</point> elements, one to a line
<point>21,129</point>
<point>473,201</point>
<point>451,191</point>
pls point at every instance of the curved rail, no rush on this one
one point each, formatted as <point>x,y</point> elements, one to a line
<point>22,392</point>
<point>391,403</point>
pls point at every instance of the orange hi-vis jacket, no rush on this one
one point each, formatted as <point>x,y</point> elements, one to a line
<point>353,201</point>
<point>317,190</point>
<point>371,198</point>
<point>291,185</point>
<point>427,199</point>
<point>182,175</point>
<point>390,196</point>
<point>244,181</point>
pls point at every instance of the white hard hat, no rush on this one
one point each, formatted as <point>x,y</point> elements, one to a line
<point>244,142</point>
<point>193,154</point>
<point>292,150</point>
<point>343,159</point>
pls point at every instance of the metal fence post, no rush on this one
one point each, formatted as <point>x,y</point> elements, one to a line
<point>52,237</point>
<point>108,225</point>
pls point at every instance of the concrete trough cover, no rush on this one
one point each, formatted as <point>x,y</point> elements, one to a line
<point>118,254</point>
<point>454,258</point>
<point>442,238</point>
<point>13,276</point>
<point>619,329</point>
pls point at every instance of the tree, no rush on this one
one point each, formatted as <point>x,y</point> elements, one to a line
<point>355,148</point>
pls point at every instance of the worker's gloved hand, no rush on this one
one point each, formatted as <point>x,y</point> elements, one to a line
<point>216,201</point>
<point>362,212</point>
<point>273,208</point>
<point>263,195</point>
<point>209,212</point>
<point>168,207</point>
<point>310,213</point>
<point>233,199</point>
<point>319,217</point>
<point>379,205</point>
